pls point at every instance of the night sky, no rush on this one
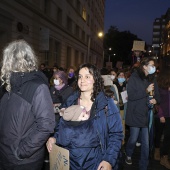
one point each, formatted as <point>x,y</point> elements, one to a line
<point>136,16</point>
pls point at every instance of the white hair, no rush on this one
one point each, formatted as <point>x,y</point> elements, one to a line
<point>18,56</point>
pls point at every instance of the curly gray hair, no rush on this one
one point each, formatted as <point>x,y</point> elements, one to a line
<point>18,56</point>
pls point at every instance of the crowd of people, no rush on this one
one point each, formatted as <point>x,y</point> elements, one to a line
<point>84,110</point>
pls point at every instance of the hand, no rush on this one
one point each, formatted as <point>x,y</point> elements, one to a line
<point>152,101</point>
<point>104,166</point>
<point>50,143</point>
<point>57,104</point>
<point>150,87</point>
<point>162,120</point>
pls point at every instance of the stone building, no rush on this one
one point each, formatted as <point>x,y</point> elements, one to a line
<point>64,32</point>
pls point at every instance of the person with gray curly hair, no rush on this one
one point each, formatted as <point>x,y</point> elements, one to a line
<point>26,110</point>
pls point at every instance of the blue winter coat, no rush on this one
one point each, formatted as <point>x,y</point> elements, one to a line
<point>108,125</point>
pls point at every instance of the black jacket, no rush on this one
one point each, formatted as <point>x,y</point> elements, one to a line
<point>60,96</point>
<point>137,107</point>
<point>26,119</point>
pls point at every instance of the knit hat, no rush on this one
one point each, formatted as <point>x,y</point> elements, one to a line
<point>72,113</point>
<point>62,75</point>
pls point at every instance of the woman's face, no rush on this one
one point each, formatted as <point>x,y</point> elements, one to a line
<point>150,68</point>
<point>71,70</point>
<point>121,75</point>
<point>85,80</point>
<point>59,79</point>
<point>113,73</point>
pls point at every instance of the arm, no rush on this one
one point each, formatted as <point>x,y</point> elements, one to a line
<point>44,123</point>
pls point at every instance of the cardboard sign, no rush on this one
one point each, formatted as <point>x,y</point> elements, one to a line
<point>138,45</point>
<point>107,80</point>
<point>124,96</point>
<point>59,158</point>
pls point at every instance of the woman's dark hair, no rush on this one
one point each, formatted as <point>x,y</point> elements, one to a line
<point>98,80</point>
<point>120,71</point>
<point>144,62</point>
<point>164,78</point>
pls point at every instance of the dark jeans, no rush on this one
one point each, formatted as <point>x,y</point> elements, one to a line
<point>30,166</point>
<point>162,128</point>
<point>134,133</point>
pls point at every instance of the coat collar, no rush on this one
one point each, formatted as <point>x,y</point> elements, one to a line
<point>100,101</point>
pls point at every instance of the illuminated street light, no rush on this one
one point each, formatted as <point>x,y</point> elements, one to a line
<point>100,34</point>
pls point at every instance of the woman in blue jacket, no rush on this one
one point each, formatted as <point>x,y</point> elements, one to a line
<point>94,143</point>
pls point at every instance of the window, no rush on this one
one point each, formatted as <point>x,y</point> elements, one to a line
<point>59,16</point>
<point>68,56</point>
<point>77,31</point>
<point>156,33</point>
<point>83,36</point>
<point>76,57</point>
<point>78,6</point>
<point>69,24</point>
<point>82,58</point>
<point>84,13</point>
<point>57,51</point>
<point>47,4</point>
<point>156,26</point>
<point>88,20</point>
<point>157,20</point>
<point>155,39</point>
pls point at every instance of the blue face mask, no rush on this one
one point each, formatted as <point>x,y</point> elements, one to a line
<point>152,69</point>
<point>121,80</point>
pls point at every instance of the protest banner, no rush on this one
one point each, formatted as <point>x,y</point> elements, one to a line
<point>59,158</point>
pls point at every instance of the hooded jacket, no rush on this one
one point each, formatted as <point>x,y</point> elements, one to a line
<point>26,119</point>
<point>107,124</point>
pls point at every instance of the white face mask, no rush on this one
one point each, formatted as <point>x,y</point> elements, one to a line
<point>56,82</point>
<point>112,77</point>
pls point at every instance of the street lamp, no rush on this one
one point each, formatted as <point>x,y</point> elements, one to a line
<point>153,49</point>
<point>109,54</point>
<point>100,35</point>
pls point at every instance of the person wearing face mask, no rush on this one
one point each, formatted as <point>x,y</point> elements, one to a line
<point>60,91</point>
<point>140,85</point>
<point>121,86</point>
<point>54,69</point>
<point>71,76</point>
<point>108,84</point>
<point>113,75</point>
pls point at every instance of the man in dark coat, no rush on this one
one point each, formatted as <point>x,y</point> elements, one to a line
<point>26,110</point>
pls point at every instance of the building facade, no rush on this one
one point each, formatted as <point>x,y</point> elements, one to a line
<point>158,27</point>
<point>64,32</point>
<point>165,46</point>
<point>161,37</point>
